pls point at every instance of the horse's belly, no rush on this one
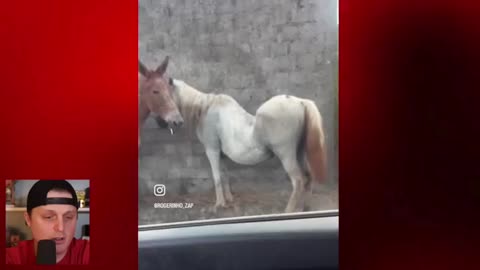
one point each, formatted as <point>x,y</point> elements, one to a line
<point>250,157</point>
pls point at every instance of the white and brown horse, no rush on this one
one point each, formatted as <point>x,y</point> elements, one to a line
<point>284,126</point>
<point>155,97</point>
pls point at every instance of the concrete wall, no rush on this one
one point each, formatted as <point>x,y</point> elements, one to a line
<point>249,49</point>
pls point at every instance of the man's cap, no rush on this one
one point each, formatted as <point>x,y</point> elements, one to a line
<point>37,196</point>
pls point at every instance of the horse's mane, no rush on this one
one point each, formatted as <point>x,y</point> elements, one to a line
<point>193,104</point>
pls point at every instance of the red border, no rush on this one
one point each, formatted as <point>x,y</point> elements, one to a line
<point>408,149</point>
<point>68,109</point>
<point>409,176</point>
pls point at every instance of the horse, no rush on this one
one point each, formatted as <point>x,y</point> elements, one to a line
<point>284,126</point>
<point>155,97</point>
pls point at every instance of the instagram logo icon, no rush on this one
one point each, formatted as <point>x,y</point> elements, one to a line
<point>159,190</point>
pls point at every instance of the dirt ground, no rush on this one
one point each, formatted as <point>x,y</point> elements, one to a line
<point>249,199</point>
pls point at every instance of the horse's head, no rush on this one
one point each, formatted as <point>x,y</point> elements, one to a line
<point>156,92</point>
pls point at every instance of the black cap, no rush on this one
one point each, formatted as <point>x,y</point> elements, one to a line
<point>37,196</point>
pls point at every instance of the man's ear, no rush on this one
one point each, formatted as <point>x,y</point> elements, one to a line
<point>28,221</point>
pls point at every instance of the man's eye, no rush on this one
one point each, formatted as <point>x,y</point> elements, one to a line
<point>156,92</point>
<point>69,217</point>
<point>48,217</point>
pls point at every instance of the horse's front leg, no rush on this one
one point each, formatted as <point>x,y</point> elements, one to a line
<point>214,159</point>
<point>228,191</point>
<point>226,184</point>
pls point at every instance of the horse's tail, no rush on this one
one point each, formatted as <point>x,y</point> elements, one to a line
<point>314,141</point>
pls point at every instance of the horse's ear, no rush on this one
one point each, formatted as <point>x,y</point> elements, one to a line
<point>143,69</point>
<point>163,67</point>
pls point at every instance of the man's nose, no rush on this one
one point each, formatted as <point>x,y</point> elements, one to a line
<point>59,225</point>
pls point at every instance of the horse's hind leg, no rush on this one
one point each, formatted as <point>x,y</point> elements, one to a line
<point>297,177</point>
<point>308,194</point>
<point>308,183</point>
<point>214,159</point>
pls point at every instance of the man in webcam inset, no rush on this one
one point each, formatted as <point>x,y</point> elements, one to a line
<point>52,214</point>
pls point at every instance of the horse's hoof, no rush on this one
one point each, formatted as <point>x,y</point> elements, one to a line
<point>290,209</point>
<point>237,210</point>
<point>219,206</point>
<point>229,198</point>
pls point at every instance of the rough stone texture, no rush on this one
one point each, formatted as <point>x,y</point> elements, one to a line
<point>251,50</point>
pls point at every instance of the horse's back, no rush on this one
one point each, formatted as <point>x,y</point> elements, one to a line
<point>280,120</point>
<point>281,105</point>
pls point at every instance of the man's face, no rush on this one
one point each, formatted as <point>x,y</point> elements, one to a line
<point>54,221</point>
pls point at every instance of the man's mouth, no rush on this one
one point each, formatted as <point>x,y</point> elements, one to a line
<point>59,240</point>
